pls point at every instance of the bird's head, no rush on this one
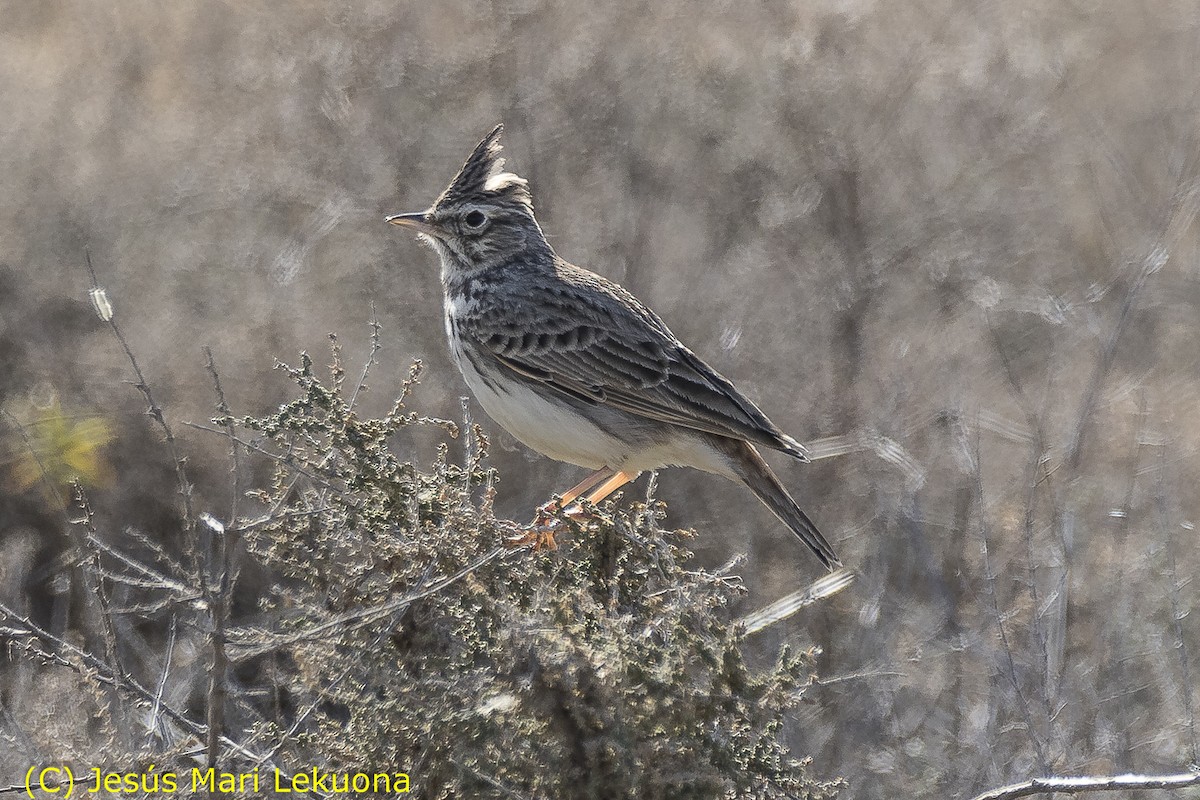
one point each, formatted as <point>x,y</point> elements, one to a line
<point>484,217</point>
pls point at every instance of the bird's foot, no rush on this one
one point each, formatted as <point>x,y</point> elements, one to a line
<point>538,534</point>
<point>547,522</point>
<point>548,514</point>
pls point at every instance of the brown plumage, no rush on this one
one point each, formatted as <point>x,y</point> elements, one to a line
<point>572,364</point>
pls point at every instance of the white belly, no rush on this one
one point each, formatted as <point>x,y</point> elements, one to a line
<point>551,429</point>
<point>556,430</point>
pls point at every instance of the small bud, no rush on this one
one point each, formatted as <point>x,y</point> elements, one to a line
<point>100,303</point>
<point>212,522</point>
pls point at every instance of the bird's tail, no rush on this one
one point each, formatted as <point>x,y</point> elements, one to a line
<point>749,466</point>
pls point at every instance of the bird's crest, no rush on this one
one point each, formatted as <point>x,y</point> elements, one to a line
<point>482,177</point>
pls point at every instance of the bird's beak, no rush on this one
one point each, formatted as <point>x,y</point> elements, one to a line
<point>417,221</point>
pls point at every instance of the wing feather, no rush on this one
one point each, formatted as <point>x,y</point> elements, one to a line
<point>588,338</point>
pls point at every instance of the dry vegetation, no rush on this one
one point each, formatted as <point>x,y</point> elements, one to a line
<point>951,243</point>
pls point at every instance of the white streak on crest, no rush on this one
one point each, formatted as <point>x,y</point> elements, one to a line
<point>502,180</point>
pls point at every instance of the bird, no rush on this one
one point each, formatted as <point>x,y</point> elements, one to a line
<point>574,366</point>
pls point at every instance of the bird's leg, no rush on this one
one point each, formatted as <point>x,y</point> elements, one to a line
<point>615,482</point>
<point>541,531</point>
<point>585,485</point>
<point>545,512</point>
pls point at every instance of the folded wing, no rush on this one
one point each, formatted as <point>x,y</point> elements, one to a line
<point>617,353</point>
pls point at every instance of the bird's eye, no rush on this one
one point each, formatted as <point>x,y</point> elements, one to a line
<point>475,219</point>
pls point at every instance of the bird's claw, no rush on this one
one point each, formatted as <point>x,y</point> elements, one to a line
<point>538,534</point>
<point>547,522</point>
<point>547,515</point>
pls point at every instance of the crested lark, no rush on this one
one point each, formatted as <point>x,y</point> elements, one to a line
<point>573,365</point>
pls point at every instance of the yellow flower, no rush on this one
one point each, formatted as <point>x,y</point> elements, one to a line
<point>59,449</point>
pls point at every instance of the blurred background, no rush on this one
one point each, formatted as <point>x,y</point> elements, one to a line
<point>950,244</point>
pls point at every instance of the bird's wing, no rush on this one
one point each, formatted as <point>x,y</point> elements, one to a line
<point>590,339</point>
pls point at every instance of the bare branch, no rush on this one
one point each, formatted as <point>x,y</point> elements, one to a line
<point>221,567</point>
<point>990,578</point>
<point>1178,613</point>
<point>1152,263</point>
<point>1109,783</point>
<point>62,652</point>
<point>155,412</point>
<point>376,346</point>
<point>162,683</point>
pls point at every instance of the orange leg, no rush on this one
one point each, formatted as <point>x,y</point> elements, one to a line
<point>545,513</point>
<point>617,480</point>
<point>541,532</point>
<point>604,473</point>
